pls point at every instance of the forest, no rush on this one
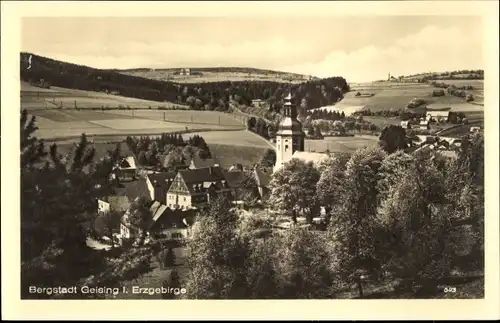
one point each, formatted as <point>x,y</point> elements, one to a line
<point>199,96</point>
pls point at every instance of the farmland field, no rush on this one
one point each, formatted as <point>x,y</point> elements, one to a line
<point>394,96</point>
<point>243,138</point>
<point>185,117</point>
<point>236,154</point>
<point>59,123</point>
<point>339,144</point>
<point>56,96</point>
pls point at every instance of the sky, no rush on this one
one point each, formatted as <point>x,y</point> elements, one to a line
<point>358,48</point>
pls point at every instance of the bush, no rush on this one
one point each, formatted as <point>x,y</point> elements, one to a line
<point>438,93</point>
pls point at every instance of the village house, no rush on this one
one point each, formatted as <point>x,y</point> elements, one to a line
<point>257,102</point>
<point>424,125</point>
<point>194,188</point>
<point>437,115</point>
<point>406,124</point>
<point>109,204</point>
<point>170,224</point>
<point>263,179</point>
<point>164,223</point>
<point>126,169</point>
<point>198,162</point>
<point>158,185</point>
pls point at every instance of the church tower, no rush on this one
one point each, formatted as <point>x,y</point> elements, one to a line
<point>289,137</point>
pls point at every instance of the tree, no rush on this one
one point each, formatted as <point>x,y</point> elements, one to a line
<point>302,269</point>
<point>353,226</point>
<point>139,217</point>
<point>58,204</point>
<point>293,188</point>
<point>251,122</point>
<point>261,270</point>
<point>329,186</point>
<point>310,130</point>
<point>392,170</point>
<point>339,127</point>
<point>269,158</point>
<point>174,158</point>
<point>142,158</point>
<point>393,138</point>
<point>217,255</point>
<point>168,258</point>
<point>172,284</point>
<point>317,132</point>
<point>416,224</point>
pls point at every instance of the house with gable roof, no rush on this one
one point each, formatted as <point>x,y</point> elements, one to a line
<point>194,188</point>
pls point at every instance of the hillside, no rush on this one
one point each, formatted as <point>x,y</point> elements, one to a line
<point>46,72</point>
<point>215,74</point>
<point>433,76</point>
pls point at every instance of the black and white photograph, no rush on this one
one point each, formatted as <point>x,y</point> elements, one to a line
<point>246,157</point>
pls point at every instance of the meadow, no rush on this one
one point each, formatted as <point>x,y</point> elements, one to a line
<point>340,144</point>
<point>395,96</point>
<point>56,97</point>
<point>57,123</point>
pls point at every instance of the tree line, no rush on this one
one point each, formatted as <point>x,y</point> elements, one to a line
<point>378,228</point>
<point>178,150</point>
<point>58,209</point>
<point>199,96</point>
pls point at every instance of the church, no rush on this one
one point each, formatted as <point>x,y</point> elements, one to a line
<point>290,138</point>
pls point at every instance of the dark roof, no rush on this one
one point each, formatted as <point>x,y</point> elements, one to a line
<point>202,163</point>
<point>263,178</point>
<point>199,175</point>
<point>162,179</point>
<point>133,189</point>
<point>233,178</point>
<point>169,218</point>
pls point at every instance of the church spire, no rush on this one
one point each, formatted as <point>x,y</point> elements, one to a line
<point>290,110</point>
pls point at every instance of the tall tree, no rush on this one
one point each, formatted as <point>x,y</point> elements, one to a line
<point>217,255</point>
<point>293,188</point>
<point>58,201</point>
<point>353,226</point>
<point>393,138</point>
<point>302,266</point>
<point>329,187</point>
<point>416,221</point>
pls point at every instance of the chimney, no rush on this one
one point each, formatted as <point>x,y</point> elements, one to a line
<point>211,170</point>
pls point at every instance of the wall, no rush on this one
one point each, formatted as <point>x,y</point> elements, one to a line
<point>182,201</point>
<point>151,189</point>
<point>103,207</point>
<point>181,233</point>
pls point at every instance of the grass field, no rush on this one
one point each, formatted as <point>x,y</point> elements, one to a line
<point>59,123</point>
<point>394,96</point>
<point>339,144</point>
<point>243,138</point>
<point>56,96</point>
<point>235,154</point>
<point>185,117</point>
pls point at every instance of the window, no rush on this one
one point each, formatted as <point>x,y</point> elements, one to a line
<point>184,199</point>
<point>176,235</point>
<point>286,147</point>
